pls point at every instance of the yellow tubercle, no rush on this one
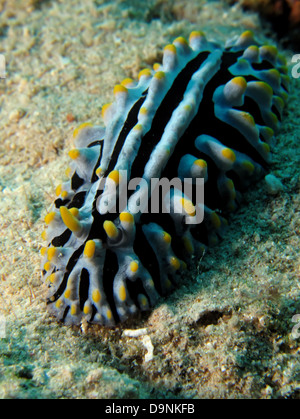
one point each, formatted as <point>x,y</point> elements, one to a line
<point>122,293</point>
<point>215,220</point>
<point>68,293</point>
<point>146,72</point>
<point>81,127</point>
<point>156,66</point>
<point>248,166</point>
<point>229,154</point>
<point>43,251</point>
<point>58,190</point>
<point>195,35</point>
<point>74,154</point>
<point>47,266</point>
<point>127,82</point>
<point>181,41</point>
<point>110,229</point>
<point>96,296</point>
<point>266,147</point>
<point>160,75</point>
<point>109,314</point>
<point>134,266</point>
<point>99,171</point>
<point>174,262</point>
<point>50,217</point>
<point>126,217</point>
<point>69,220</point>
<point>87,308</point>
<point>115,176</point>
<point>58,303</point>
<point>89,249</point>
<point>51,253</point>
<point>241,82</point>
<point>170,48</point>
<point>166,237</point>
<point>201,163</point>
<point>74,211</point>
<point>188,245</point>
<point>73,310</point>
<point>188,206</point>
<point>119,88</point>
<point>104,109</point>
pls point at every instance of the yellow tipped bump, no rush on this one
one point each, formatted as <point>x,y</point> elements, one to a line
<point>170,48</point>
<point>81,127</point>
<point>74,211</point>
<point>181,41</point>
<point>47,266</point>
<point>126,217</point>
<point>229,154</point>
<point>146,72</point>
<point>266,147</point>
<point>134,266</point>
<point>89,249</point>
<point>58,303</point>
<point>201,163</point>
<point>196,34</point>
<point>166,237</point>
<point>109,314</point>
<point>119,88</point>
<point>58,190</point>
<point>52,278</point>
<point>69,220</point>
<point>241,82</point>
<point>87,308</point>
<point>68,293</point>
<point>156,66</point>
<point>188,245</point>
<point>215,219</point>
<point>188,207</point>
<point>99,171</point>
<point>248,166</point>
<point>50,217</point>
<point>43,251</point>
<point>247,35</point>
<point>160,75</point>
<point>143,300</point>
<point>74,154</point>
<point>127,82</point>
<point>143,110</point>
<point>104,109</point>
<point>115,176</point>
<point>96,296</point>
<point>248,118</point>
<point>138,127</point>
<point>64,194</point>
<point>174,262</point>
<point>122,293</point>
<point>110,229</point>
<point>73,310</point>
<point>44,235</point>
<point>51,253</point>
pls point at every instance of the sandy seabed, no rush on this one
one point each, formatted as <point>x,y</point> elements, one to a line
<point>227,331</point>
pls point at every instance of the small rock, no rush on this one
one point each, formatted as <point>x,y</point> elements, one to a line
<point>273,185</point>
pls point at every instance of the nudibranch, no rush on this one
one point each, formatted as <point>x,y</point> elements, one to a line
<point>206,112</point>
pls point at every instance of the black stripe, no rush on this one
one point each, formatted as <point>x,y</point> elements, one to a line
<point>161,118</point>
<point>146,254</point>
<point>84,287</point>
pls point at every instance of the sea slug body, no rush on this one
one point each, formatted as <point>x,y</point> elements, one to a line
<point>206,112</point>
